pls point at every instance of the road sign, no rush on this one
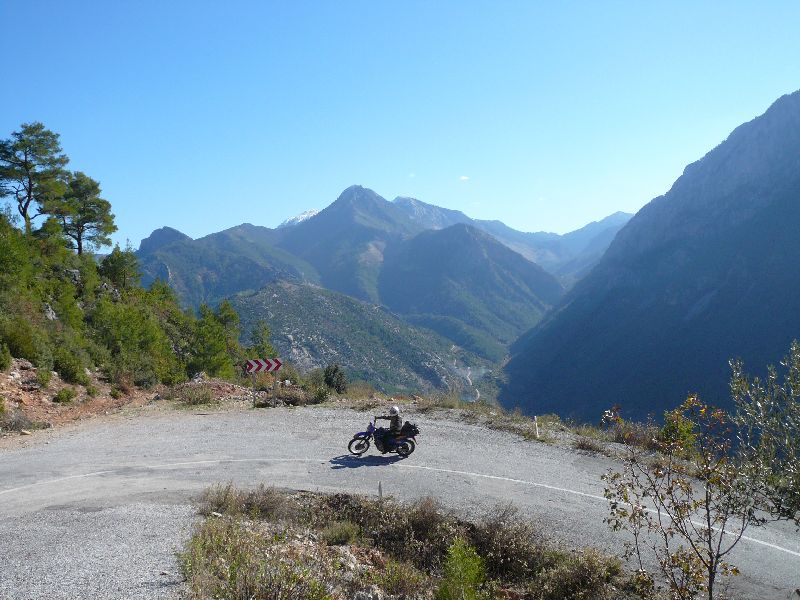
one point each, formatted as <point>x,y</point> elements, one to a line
<point>262,365</point>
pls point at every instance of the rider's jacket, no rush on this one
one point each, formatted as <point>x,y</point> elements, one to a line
<point>395,422</point>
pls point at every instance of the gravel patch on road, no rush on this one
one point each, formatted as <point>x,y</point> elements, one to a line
<point>68,552</point>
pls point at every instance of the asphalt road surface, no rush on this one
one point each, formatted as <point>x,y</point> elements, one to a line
<point>99,510</point>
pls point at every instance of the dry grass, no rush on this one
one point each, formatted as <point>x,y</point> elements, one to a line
<point>264,543</point>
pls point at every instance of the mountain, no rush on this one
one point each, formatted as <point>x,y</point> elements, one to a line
<point>219,265</point>
<point>303,216</point>
<point>467,286</point>
<point>313,327</point>
<point>160,238</point>
<point>429,216</point>
<point>346,241</point>
<point>706,272</point>
<point>567,256</point>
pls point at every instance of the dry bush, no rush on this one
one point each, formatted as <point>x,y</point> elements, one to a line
<point>294,395</point>
<point>228,560</point>
<point>510,545</point>
<point>585,575</point>
<point>588,445</point>
<point>262,502</point>
<point>340,533</point>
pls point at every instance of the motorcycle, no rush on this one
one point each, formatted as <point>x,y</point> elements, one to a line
<point>403,443</point>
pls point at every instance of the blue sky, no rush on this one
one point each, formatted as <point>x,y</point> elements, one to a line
<point>204,115</point>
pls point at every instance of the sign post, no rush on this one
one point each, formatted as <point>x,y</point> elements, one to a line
<point>262,365</point>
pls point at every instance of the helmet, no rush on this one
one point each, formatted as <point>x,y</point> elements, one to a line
<point>394,411</point>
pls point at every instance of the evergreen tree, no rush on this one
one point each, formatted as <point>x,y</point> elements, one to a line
<point>84,216</point>
<point>121,267</point>
<point>261,347</point>
<point>32,169</point>
<point>210,346</point>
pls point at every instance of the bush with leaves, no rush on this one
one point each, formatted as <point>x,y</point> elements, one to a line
<point>691,509</point>
<point>768,428</point>
<point>464,574</point>
<point>5,357</point>
<point>335,378</point>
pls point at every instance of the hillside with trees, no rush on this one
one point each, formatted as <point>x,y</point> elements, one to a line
<point>65,311</point>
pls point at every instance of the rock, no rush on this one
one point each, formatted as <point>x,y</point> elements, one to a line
<point>25,432</point>
<point>216,514</point>
<point>199,377</point>
<point>74,276</point>
<point>24,365</point>
<point>49,313</point>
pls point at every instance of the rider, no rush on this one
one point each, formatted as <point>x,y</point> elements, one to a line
<point>395,423</point>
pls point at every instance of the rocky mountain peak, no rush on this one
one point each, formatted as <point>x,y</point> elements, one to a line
<point>160,238</point>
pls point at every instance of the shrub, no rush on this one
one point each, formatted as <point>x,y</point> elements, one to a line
<point>464,573</point>
<point>584,575</point>
<point>510,545</point>
<point>2,407</point>
<point>69,364</point>
<point>340,533</point>
<point>228,560</point>
<point>588,445</point>
<point>14,420</point>
<point>262,502</point>
<point>335,379</point>
<point>64,396</point>
<point>116,393</point>
<point>43,377</point>
<point>402,579</point>
<point>5,357</point>
<point>320,395</point>
<point>195,395</point>
<point>91,391</point>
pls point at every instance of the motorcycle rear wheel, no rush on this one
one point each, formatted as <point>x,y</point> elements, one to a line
<point>358,446</point>
<point>405,448</point>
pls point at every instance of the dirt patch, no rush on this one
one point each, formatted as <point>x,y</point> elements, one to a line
<point>23,391</point>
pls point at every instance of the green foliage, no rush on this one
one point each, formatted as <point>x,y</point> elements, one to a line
<point>121,268</point>
<point>678,431</point>
<point>140,349</point>
<point>5,357</point>
<point>71,362</point>
<point>768,430</point>
<point>65,396</point>
<point>31,168</point>
<point>43,377</point>
<point>401,579</point>
<point>260,344</point>
<point>335,379</point>
<point>340,533</point>
<point>212,345</point>
<point>464,573</point>
<point>85,218</point>
<point>696,479</point>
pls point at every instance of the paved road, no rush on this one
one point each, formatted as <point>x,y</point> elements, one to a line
<point>98,511</point>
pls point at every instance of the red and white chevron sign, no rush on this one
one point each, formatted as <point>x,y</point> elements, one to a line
<point>262,365</point>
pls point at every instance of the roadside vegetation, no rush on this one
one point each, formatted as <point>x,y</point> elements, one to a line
<point>267,543</point>
<point>66,310</point>
<point>715,476</point>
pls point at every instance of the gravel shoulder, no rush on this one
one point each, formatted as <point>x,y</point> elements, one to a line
<point>101,506</point>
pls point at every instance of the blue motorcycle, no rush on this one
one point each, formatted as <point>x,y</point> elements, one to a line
<point>403,443</point>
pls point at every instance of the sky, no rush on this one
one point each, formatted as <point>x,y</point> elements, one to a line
<point>545,115</point>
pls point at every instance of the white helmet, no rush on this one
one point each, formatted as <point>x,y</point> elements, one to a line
<point>394,411</point>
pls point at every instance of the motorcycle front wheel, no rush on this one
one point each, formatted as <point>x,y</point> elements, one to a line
<point>405,448</point>
<point>358,446</point>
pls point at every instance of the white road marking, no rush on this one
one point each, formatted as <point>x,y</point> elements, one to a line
<point>316,460</point>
